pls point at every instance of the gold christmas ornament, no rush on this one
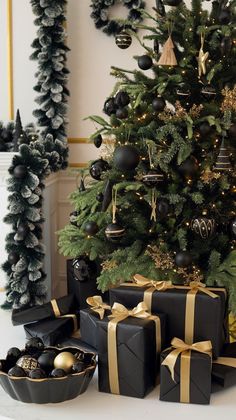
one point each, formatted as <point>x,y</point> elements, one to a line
<point>229,102</point>
<point>65,361</point>
<point>167,57</point>
<point>202,58</point>
<point>223,160</point>
<point>27,363</point>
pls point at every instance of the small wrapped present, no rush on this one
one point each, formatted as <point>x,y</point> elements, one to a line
<point>224,368</point>
<point>53,309</point>
<point>129,344</point>
<point>186,372</point>
<point>51,331</point>
<point>89,317</point>
<point>195,312</point>
<point>75,342</point>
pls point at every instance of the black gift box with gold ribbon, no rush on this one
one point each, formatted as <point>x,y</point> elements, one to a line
<point>224,368</point>
<point>192,314</point>
<point>53,309</point>
<point>128,357</point>
<point>186,376</point>
<point>51,331</point>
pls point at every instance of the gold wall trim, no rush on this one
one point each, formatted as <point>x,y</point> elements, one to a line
<point>10,60</point>
<point>84,140</point>
<point>78,165</point>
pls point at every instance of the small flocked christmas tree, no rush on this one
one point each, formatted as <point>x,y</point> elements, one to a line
<point>163,203</point>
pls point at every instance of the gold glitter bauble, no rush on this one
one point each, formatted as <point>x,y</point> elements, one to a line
<point>27,363</point>
<point>65,361</point>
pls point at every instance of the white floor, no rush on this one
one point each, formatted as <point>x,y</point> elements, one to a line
<point>97,406</point>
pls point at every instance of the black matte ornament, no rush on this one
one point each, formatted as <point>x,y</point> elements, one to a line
<point>46,360</point>
<point>172,2</point>
<point>156,46</point>
<point>145,62</point>
<point>233,227</point>
<point>123,40</point>
<point>23,230</point>
<point>160,7</point>
<point>226,45</point>
<point>34,345</point>
<point>37,374</point>
<point>107,195</point>
<point>97,141</point>
<point>205,128</point>
<point>78,367</point>
<point>17,372</point>
<point>203,227</point>
<point>122,113</point>
<point>91,228</point>
<point>13,355</point>
<point>100,197</point>
<point>158,104</point>
<point>163,207</point>
<point>208,92</point>
<point>153,178</point>
<point>183,91</point>
<point>58,373</point>
<point>189,167</point>
<point>183,259</point>
<point>82,185</point>
<point>225,17</point>
<point>122,99</point>
<point>73,218</point>
<point>114,232</point>
<point>232,132</point>
<point>126,158</point>
<point>20,171</point>
<point>110,107</point>
<point>97,168</point>
<point>13,258</point>
<point>83,268</point>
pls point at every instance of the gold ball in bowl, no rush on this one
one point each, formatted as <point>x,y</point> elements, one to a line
<point>65,361</point>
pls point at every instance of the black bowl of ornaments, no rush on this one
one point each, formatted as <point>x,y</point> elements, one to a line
<point>43,375</point>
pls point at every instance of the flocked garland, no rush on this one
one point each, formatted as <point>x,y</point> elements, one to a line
<point>100,15</point>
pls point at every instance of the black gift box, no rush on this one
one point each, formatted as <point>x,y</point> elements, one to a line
<point>136,354</point>
<point>210,314</point>
<point>200,379</point>
<point>88,326</point>
<point>66,305</point>
<point>224,376</point>
<point>76,342</point>
<point>51,331</point>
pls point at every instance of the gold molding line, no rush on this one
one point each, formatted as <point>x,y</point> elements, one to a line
<point>78,165</point>
<point>10,60</point>
<point>85,140</point>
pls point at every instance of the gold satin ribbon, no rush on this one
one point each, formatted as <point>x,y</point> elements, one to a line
<point>184,349</point>
<point>97,305</point>
<point>57,314</point>
<point>120,313</point>
<point>227,361</point>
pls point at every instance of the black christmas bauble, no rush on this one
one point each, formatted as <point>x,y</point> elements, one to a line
<point>122,113</point>
<point>97,168</point>
<point>126,158</point>
<point>233,227</point>
<point>156,46</point>
<point>91,228</point>
<point>158,104</point>
<point>110,107</point>
<point>82,186</point>
<point>224,17</point>
<point>205,128</point>
<point>97,141</point>
<point>58,373</point>
<point>27,362</point>
<point>46,360</point>
<point>84,269</point>
<point>163,207</point>
<point>172,2</point>
<point>183,91</point>
<point>226,45</point>
<point>3,147</point>
<point>34,345</point>
<point>100,197</point>
<point>114,232</point>
<point>20,171</point>
<point>23,230</point>
<point>37,374</point>
<point>4,366</point>
<point>189,167</point>
<point>78,367</point>
<point>232,132</point>
<point>208,92</point>
<point>122,99</point>
<point>203,227</point>
<point>153,178</point>
<point>13,258</point>
<point>13,355</point>
<point>145,62</point>
<point>183,259</point>
<point>17,372</point>
<point>73,218</point>
<point>123,40</point>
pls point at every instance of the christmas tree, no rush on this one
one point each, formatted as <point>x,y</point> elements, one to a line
<point>162,201</point>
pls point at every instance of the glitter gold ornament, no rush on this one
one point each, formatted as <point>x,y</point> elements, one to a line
<point>27,363</point>
<point>65,361</point>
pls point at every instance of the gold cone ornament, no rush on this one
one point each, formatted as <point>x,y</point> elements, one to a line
<point>167,57</point>
<point>223,160</point>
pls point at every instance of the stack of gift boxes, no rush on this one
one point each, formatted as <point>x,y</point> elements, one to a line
<point>147,328</point>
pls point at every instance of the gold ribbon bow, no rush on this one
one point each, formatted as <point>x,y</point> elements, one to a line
<point>184,349</point>
<point>152,286</point>
<point>97,305</point>
<point>57,314</point>
<point>120,313</point>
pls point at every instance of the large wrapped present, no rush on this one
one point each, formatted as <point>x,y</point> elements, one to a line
<point>224,368</point>
<point>186,372</point>
<point>195,312</point>
<point>53,309</point>
<point>89,317</point>
<point>51,331</point>
<point>129,344</point>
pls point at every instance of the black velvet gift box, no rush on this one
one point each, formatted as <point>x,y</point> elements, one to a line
<point>137,359</point>
<point>210,315</point>
<point>199,380</point>
<point>51,331</point>
<point>88,326</point>
<point>65,305</point>
<point>224,368</point>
